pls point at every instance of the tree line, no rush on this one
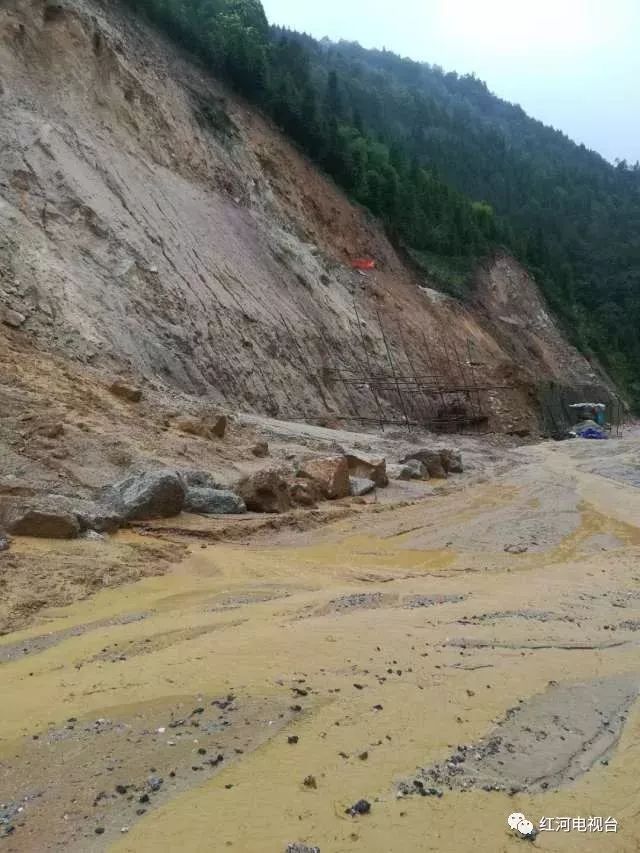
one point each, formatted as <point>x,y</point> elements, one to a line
<point>451,170</point>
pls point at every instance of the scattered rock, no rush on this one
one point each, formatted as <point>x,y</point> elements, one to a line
<point>310,782</point>
<point>203,427</point>
<point>331,473</point>
<point>213,502</point>
<point>368,468</point>
<point>361,807</point>
<point>12,318</point>
<point>293,739</point>
<point>260,450</point>
<point>359,486</point>
<point>516,549</point>
<point>155,494</point>
<point>265,491</point>
<point>126,391</point>
<point>42,524</point>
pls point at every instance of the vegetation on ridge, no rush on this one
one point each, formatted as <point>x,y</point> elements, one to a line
<point>452,170</point>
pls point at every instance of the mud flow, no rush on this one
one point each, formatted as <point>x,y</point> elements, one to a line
<point>400,678</point>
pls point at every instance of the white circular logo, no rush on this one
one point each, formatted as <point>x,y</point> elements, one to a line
<point>514,819</point>
<point>519,823</point>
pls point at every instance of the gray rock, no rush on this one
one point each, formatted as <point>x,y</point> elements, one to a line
<point>203,480</point>
<point>301,848</point>
<point>5,542</point>
<point>360,486</point>
<point>417,469</point>
<point>154,494</point>
<point>399,472</point>
<point>213,502</point>
<point>98,518</point>
<point>432,461</point>
<point>27,521</point>
<point>93,536</point>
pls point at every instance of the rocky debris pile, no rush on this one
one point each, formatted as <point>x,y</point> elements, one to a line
<point>165,493</point>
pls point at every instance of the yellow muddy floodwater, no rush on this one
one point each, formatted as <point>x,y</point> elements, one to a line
<point>399,634</point>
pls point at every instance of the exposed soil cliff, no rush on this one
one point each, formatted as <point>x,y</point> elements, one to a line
<point>152,223</point>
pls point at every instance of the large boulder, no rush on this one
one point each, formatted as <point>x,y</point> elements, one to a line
<point>42,523</point>
<point>368,468</point>
<point>154,494</point>
<point>5,542</point>
<point>452,461</point>
<point>412,469</point>
<point>360,486</point>
<point>331,473</point>
<point>431,460</point>
<point>439,463</point>
<point>265,491</point>
<point>304,492</point>
<point>213,502</point>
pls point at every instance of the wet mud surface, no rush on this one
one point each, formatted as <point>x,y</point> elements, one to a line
<point>258,693</point>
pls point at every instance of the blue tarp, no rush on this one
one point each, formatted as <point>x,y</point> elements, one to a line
<point>592,432</point>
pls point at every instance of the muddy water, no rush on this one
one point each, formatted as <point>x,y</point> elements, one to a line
<point>382,643</point>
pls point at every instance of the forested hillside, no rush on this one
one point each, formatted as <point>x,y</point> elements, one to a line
<point>452,170</point>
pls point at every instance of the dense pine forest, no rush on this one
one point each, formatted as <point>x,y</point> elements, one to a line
<point>452,171</point>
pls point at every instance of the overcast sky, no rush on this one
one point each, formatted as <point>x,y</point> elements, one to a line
<point>574,64</point>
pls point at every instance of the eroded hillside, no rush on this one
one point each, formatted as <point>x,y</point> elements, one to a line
<point>151,223</point>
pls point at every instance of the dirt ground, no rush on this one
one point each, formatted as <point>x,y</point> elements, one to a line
<point>480,640</point>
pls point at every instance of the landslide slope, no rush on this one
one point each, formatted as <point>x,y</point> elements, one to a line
<point>150,222</point>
